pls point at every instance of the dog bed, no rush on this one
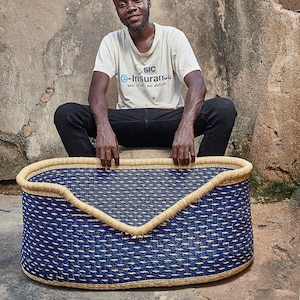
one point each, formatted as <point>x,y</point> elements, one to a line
<point>145,223</point>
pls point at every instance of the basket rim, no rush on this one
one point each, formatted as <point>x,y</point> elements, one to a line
<point>240,172</point>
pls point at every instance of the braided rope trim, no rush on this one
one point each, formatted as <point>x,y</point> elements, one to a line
<point>241,170</point>
<point>144,283</point>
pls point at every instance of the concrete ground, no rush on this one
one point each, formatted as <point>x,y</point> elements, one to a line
<point>275,273</point>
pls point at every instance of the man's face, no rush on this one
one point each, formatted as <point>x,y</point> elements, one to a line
<point>133,13</point>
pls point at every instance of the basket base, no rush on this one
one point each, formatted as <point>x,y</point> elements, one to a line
<point>144,283</point>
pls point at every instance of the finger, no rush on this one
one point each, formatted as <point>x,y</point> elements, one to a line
<point>192,153</point>
<point>174,156</point>
<point>115,155</point>
<point>108,158</point>
<point>97,152</point>
<point>108,163</point>
<point>182,157</point>
<point>186,158</point>
<point>103,162</point>
<point>103,158</point>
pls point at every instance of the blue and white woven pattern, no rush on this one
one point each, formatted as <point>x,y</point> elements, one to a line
<point>208,240</point>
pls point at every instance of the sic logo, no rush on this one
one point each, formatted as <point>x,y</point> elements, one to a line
<point>148,70</point>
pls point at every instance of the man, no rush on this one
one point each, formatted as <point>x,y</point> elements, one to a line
<point>151,62</point>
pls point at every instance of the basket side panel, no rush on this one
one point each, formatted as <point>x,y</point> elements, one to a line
<point>210,237</point>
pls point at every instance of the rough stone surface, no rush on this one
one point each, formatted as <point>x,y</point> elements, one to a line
<point>248,50</point>
<point>262,43</point>
<point>275,144</point>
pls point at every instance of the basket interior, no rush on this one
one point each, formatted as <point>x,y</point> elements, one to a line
<point>131,196</point>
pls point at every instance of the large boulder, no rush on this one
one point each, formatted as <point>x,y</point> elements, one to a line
<point>248,51</point>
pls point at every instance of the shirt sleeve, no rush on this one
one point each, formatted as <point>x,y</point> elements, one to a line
<point>183,57</point>
<point>106,57</point>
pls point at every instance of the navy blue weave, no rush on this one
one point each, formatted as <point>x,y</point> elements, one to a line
<point>133,196</point>
<point>209,237</point>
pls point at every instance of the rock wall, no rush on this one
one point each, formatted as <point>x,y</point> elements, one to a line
<point>248,50</point>
<point>263,61</point>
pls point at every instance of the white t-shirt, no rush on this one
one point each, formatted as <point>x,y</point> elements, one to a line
<point>147,80</point>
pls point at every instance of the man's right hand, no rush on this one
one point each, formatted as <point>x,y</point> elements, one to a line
<point>106,140</point>
<point>107,147</point>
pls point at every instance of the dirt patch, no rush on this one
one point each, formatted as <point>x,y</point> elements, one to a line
<point>9,187</point>
<point>289,4</point>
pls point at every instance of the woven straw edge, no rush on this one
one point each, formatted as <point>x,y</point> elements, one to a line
<point>241,173</point>
<point>144,283</point>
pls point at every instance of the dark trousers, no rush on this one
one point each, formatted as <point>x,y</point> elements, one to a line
<point>150,127</point>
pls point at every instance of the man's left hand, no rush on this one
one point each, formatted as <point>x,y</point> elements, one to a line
<point>183,150</point>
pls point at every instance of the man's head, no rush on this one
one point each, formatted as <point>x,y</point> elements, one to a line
<point>133,13</point>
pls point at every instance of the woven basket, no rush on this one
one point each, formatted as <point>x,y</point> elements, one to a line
<point>145,223</point>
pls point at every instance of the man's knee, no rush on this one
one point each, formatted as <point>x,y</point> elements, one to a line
<point>223,109</point>
<point>59,113</point>
<point>63,112</point>
<point>226,105</point>
<point>217,113</point>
